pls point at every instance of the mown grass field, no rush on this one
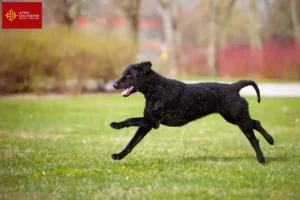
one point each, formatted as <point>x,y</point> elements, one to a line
<point>61,148</point>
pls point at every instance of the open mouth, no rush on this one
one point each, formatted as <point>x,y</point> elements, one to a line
<point>127,91</point>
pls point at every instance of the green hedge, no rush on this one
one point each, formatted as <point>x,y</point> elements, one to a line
<point>28,58</point>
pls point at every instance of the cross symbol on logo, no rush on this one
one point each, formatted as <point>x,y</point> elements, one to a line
<point>11,15</point>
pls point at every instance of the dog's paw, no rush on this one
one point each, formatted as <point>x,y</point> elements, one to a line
<point>156,125</point>
<point>261,160</point>
<point>270,140</point>
<point>116,156</point>
<point>116,125</point>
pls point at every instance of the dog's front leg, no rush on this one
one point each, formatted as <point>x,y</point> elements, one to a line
<point>139,135</point>
<point>155,114</point>
<point>139,121</point>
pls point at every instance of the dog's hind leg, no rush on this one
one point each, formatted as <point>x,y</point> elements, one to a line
<point>247,128</point>
<point>228,118</point>
<point>244,122</point>
<point>257,126</point>
<point>239,114</point>
<point>139,135</point>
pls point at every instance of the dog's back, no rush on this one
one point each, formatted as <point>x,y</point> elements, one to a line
<point>192,101</point>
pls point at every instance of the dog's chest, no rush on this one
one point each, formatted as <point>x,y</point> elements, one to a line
<point>152,106</point>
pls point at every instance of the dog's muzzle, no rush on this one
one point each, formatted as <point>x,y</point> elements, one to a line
<point>116,85</point>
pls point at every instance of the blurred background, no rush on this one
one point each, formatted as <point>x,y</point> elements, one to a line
<point>86,44</point>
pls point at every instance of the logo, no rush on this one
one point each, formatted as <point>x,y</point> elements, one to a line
<point>11,15</point>
<point>22,15</point>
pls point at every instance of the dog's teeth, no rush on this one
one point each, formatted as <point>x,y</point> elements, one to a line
<point>126,91</point>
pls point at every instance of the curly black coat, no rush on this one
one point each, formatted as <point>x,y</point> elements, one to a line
<point>174,103</point>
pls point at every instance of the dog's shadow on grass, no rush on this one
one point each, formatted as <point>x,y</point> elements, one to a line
<point>205,159</point>
<point>279,158</point>
<point>213,158</point>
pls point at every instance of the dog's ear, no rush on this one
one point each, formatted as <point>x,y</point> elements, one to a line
<point>146,66</point>
<point>143,66</point>
<point>147,63</point>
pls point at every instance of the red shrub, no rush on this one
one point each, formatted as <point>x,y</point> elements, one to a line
<point>277,60</point>
<point>273,60</point>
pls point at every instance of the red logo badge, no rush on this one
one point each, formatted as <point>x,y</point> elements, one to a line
<point>22,15</point>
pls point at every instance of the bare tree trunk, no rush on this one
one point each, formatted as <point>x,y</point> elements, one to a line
<point>266,5</point>
<point>1,11</point>
<point>132,15</point>
<point>258,21</point>
<point>134,27</point>
<point>131,10</point>
<point>256,17</point>
<point>215,28</point>
<point>177,37</point>
<point>65,12</point>
<point>213,43</point>
<point>170,31</point>
<point>294,13</point>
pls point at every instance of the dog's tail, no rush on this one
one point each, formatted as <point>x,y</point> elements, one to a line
<point>243,83</point>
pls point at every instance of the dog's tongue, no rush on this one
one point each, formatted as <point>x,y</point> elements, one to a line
<point>127,91</point>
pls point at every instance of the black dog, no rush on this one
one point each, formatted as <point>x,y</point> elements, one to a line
<point>174,103</point>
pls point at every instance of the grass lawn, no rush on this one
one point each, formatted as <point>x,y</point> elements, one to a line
<point>61,148</point>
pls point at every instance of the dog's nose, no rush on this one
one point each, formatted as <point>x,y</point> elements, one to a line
<point>115,85</point>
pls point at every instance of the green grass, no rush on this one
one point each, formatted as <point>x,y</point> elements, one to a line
<point>60,149</point>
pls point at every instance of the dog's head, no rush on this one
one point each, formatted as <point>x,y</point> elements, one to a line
<point>132,77</point>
